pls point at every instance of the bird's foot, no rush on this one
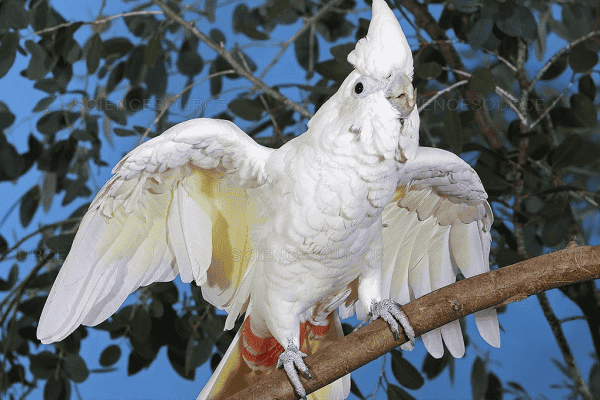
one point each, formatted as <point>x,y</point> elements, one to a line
<point>391,313</point>
<point>291,359</point>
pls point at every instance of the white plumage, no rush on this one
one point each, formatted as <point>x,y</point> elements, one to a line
<point>349,213</point>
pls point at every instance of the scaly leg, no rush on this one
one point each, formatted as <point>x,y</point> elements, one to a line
<point>291,359</point>
<point>391,313</point>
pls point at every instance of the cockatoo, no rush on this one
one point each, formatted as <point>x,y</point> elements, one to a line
<point>350,217</point>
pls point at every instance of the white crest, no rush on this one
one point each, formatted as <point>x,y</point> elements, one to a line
<point>385,47</point>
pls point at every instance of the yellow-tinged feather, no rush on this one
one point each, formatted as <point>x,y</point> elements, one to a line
<point>230,212</point>
<point>400,193</point>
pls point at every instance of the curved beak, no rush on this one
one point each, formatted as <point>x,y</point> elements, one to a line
<point>400,93</point>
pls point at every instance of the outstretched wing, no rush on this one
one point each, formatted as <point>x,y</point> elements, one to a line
<point>176,204</point>
<point>439,220</point>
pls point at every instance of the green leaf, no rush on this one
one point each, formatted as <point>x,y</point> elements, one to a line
<point>397,393</point>
<point>478,379</point>
<point>197,353</point>
<point>577,19</point>
<point>247,23</point>
<point>556,68</point>
<point>135,100</point>
<point>124,132</point>
<point>8,51</point>
<point>563,155</point>
<point>29,204</point>
<point>13,275</point>
<point>156,79</point>
<point>594,379</point>
<point>43,104</point>
<point>115,76</point>
<point>406,374</point>
<point>43,365</point>
<point>42,281</point>
<point>142,25</point>
<point>453,130</point>
<point>494,390</point>
<point>49,86</point>
<point>306,49</point>
<point>190,63</point>
<point>166,292</point>
<point>556,227</point>
<point>333,69</point>
<point>40,63</point>
<point>428,70</point>
<point>48,190</point>
<point>112,111</point>
<point>152,50</point>
<point>75,367</point>
<point>6,118</point>
<point>136,363</point>
<point>355,390</point>
<point>217,37</point>
<point>333,25</point>
<point>135,68</point>
<point>116,47</point>
<point>482,81</point>
<point>39,15</point>
<point>13,15</point>
<point>3,245</point>
<point>110,355</point>
<point>506,257</point>
<point>56,120</point>
<point>516,20</point>
<point>432,366</point>
<point>61,243</point>
<point>140,325</point>
<point>246,109</point>
<point>584,110</point>
<point>32,307</point>
<point>341,51</point>
<point>587,86</point>
<point>75,188</point>
<point>177,360</point>
<point>58,157</point>
<point>57,389</point>
<point>582,59</point>
<point>516,386</point>
<point>480,32</point>
<point>210,7</point>
<point>93,49</point>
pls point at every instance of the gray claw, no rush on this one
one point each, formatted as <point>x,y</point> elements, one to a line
<point>291,359</point>
<point>391,312</point>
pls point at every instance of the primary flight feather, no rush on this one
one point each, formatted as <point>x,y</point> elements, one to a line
<point>350,217</point>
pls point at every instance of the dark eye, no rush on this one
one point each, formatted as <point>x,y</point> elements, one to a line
<point>358,88</point>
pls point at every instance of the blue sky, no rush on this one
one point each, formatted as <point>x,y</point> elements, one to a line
<point>527,343</point>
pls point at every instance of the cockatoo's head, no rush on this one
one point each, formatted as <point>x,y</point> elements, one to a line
<point>376,100</point>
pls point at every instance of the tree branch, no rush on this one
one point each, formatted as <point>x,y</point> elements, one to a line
<point>563,345</point>
<point>174,99</point>
<point>231,60</point>
<point>308,23</point>
<point>423,17</point>
<point>97,21</point>
<point>493,289</point>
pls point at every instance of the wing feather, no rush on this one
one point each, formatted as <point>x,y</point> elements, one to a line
<point>165,211</point>
<point>438,221</point>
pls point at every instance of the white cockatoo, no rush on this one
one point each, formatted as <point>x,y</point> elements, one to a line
<point>352,216</point>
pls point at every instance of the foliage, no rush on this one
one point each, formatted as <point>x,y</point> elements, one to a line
<point>530,133</point>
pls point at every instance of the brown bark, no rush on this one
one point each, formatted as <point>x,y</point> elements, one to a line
<point>493,289</point>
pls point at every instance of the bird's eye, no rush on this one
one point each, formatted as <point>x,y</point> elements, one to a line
<point>358,88</point>
<point>364,86</point>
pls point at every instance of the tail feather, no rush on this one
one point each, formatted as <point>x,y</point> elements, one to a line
<point>249,357</point>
